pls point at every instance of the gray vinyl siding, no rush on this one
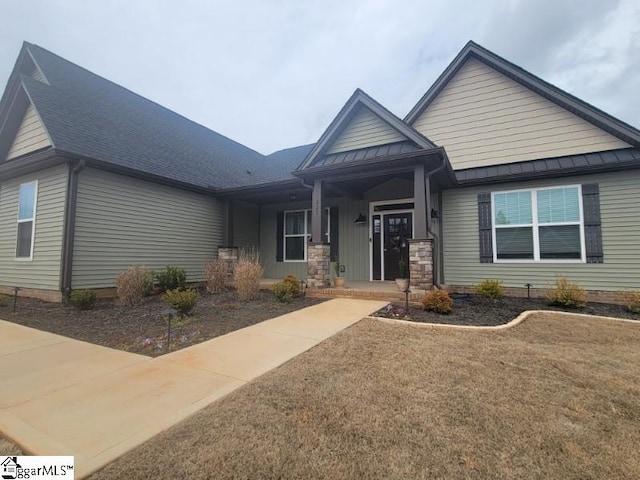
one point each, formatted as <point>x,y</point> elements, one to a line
<point>43,272</point>
<point>31,135</point>
<point>484,118</point>
<point>353,241</point>
<point>620,215</point>
<point>366,129</point>
<point>246,222</point>
<point>122,221</point>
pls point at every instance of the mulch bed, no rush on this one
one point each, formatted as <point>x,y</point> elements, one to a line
<point>143,328</point>
<point>478,311</point>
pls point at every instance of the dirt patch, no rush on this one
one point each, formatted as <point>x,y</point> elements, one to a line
<point>476,310</point>
<point>143,328</point>
<point>554,397</point>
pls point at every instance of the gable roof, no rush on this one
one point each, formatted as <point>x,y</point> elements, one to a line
<point>89,116</point>
<point>573,104</point>
<point>358,100</point>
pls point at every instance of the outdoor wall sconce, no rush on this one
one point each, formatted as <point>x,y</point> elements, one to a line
<point>434,213</point>
<point>361,220</point>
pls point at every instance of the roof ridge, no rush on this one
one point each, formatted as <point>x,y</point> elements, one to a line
<point>131,92</point>
<point>557,95</point>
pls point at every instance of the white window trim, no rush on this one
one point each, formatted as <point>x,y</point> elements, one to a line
<point>306,234</point>
<point>32,219</point>
<point>536,225</point>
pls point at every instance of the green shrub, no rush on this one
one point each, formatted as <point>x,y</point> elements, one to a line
<point>216,275</point>
<point>567,294</point>
<point>4,300</point>
<point>172,278</point>
<point>283,292</point>
<point>438,301</point>
<point>182,300</point>
<point>491,289</point>
<point>293,281</point>
<point>631,301</point>
<point>133,284</point>
<point>247,275</point>
<point>83,299</point>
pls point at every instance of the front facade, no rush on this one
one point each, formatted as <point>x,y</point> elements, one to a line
<point>493,174</point>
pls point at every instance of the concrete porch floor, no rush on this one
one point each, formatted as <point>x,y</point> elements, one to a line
<point>377,290</point>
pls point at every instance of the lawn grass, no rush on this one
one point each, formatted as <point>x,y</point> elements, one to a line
<point>555,397</point>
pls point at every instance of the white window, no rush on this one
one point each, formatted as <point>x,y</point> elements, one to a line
<point>538,224</point>
<point>297,234</point>
<point>26,220</point>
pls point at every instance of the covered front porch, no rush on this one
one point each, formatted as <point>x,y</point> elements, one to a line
<point>364,198</point>
<point>376,290</point>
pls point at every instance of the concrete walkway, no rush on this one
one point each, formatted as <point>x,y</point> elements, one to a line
<point>60,396</point>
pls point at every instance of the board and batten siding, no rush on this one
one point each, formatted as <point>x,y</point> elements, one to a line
<point>43,272</point>
<point>246,225</point>
<point>31,135</point>
<point>484,118</point>
<point>365,129</point>
<point>353,240</point>
<point>123,221</point>
<point>620,216</point>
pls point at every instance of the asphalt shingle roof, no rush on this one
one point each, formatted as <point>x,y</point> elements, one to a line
<point>88,115</point>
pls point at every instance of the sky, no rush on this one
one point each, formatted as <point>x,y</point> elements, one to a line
<point>273,74</point>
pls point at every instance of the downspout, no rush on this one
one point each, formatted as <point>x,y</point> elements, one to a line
<point>69,227</point>
<point>436,238</point>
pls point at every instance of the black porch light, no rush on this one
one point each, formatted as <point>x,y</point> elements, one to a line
<point>361,220</point>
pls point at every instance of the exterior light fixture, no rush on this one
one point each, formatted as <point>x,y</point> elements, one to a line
<point>361,220</point>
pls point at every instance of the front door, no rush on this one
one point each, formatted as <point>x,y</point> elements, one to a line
<point>390,232</point>
<point>397,230</point>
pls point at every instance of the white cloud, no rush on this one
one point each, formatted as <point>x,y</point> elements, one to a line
<point>273,74</point>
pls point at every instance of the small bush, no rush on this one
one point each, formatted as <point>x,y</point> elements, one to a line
<point>182,300</point>
<point>172,278</point>
<point>133,284</point>
<point>83,299</point>
<point>283,292</point>
<point>247,275</point>
<point>631,301</point>
<point>438,301</point>
<point>567,294</point>
<point>295,284</point>
<point>216,275</point>
<point>491,289</point>
<point>4,300</point>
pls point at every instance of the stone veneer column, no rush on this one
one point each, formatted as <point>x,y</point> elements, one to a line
<point>421,263</point>
<point>229,255</point>
<point>318,265</point>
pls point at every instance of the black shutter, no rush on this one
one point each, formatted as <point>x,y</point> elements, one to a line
<point>592,224</point>
<point>279,236</point>
<point>485,228</point>
<point>333,234</point>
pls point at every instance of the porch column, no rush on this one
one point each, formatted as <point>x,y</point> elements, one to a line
<point>318,252</point>
<point>421,263</point>
<point>229,255</point>
<point>318,213</point>
<point>420,202</point>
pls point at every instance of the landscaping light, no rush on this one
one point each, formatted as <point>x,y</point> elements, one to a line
<point>528,285</point>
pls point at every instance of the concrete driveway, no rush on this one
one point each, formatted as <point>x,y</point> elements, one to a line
<point>66,397</point>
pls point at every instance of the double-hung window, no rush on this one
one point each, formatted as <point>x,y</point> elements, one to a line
<point>538,224</point>
<point>297,234</point>
<point>26,220</point>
